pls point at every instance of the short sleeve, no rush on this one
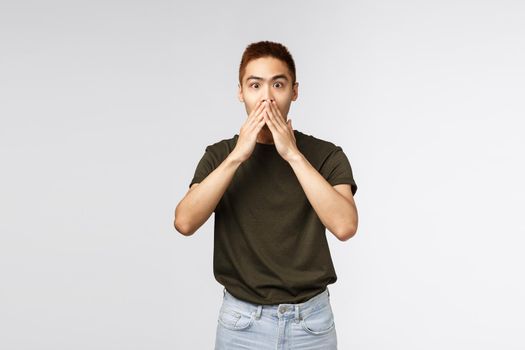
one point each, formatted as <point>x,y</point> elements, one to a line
<point>205,166</point>
<point>337,169</point>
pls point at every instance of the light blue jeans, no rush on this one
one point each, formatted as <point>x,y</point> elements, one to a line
<point>244,325</point>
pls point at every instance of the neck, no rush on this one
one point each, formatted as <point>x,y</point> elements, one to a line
<point>265,136</point>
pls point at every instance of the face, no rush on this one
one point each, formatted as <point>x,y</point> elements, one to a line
<point>267,78</point>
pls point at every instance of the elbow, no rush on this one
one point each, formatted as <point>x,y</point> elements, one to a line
<point>348,229</point>
<point>346,234</point>
<point>183,228</point>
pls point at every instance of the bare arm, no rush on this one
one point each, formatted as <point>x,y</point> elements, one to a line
<point>202,198</point>
<point>334,205</point>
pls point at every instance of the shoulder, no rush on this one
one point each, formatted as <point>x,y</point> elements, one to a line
<point>222,147</point>
<point>313,145</point>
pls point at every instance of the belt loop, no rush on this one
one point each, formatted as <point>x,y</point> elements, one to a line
<point>327,291</point>
<point>224,291</point>
<point>259,311</point>
<point>296,313</point>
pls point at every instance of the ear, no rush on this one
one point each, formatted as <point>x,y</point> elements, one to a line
<point>240,95</point>
<point>295,91</point>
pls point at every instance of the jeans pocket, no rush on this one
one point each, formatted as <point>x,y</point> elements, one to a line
<point>320,321</point>
<point>235,319</point>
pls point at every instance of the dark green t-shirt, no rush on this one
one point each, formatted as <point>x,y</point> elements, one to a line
<point>270,246</point>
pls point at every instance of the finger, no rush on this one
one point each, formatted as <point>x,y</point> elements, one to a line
<point>278,118</point>
<point>276,121</point>
<point>260,124</point>
<point>257,124</point>
<point>257,109</point>
<point>256,112</point>
<point>260,113</point>
<point>277,111</point>
<point>258,117</point>
<point>270,123</point>
<point>292,131</point>
<point>259,120</point>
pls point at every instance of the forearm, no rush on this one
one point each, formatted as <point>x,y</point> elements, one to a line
<point>200,202</point>
<point>336,213</point>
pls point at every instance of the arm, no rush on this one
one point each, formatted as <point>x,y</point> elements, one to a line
<point>202,198</point>
<point>334,205</point>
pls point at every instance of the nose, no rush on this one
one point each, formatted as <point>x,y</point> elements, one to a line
<point>267,95</point>
<point>269,99</point>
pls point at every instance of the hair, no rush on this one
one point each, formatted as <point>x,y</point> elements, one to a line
<point>266,49</point>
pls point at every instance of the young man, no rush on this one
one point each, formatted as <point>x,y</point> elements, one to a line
<point>274,191</point>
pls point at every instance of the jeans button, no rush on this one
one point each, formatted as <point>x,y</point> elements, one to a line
<point>282,309</point>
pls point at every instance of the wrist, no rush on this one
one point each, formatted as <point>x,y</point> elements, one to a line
<point>234,159</point>
<point>295,157</point>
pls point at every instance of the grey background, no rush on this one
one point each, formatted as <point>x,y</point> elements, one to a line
<point>107,106</point>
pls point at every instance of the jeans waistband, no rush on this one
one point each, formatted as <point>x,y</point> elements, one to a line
<point>297,311</point>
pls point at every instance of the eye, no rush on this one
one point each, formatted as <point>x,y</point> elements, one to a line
<point>279,83</point>
<point>254,84</point>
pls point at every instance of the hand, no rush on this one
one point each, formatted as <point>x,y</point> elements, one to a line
<point>282,132</point>
<point>248,133</point>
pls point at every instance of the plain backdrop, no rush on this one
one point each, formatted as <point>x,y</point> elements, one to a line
<point>107,106</point>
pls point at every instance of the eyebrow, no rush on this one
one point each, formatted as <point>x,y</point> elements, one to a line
<point>273,78</point>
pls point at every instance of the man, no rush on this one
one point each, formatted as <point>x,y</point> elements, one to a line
<point>274,191</point>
